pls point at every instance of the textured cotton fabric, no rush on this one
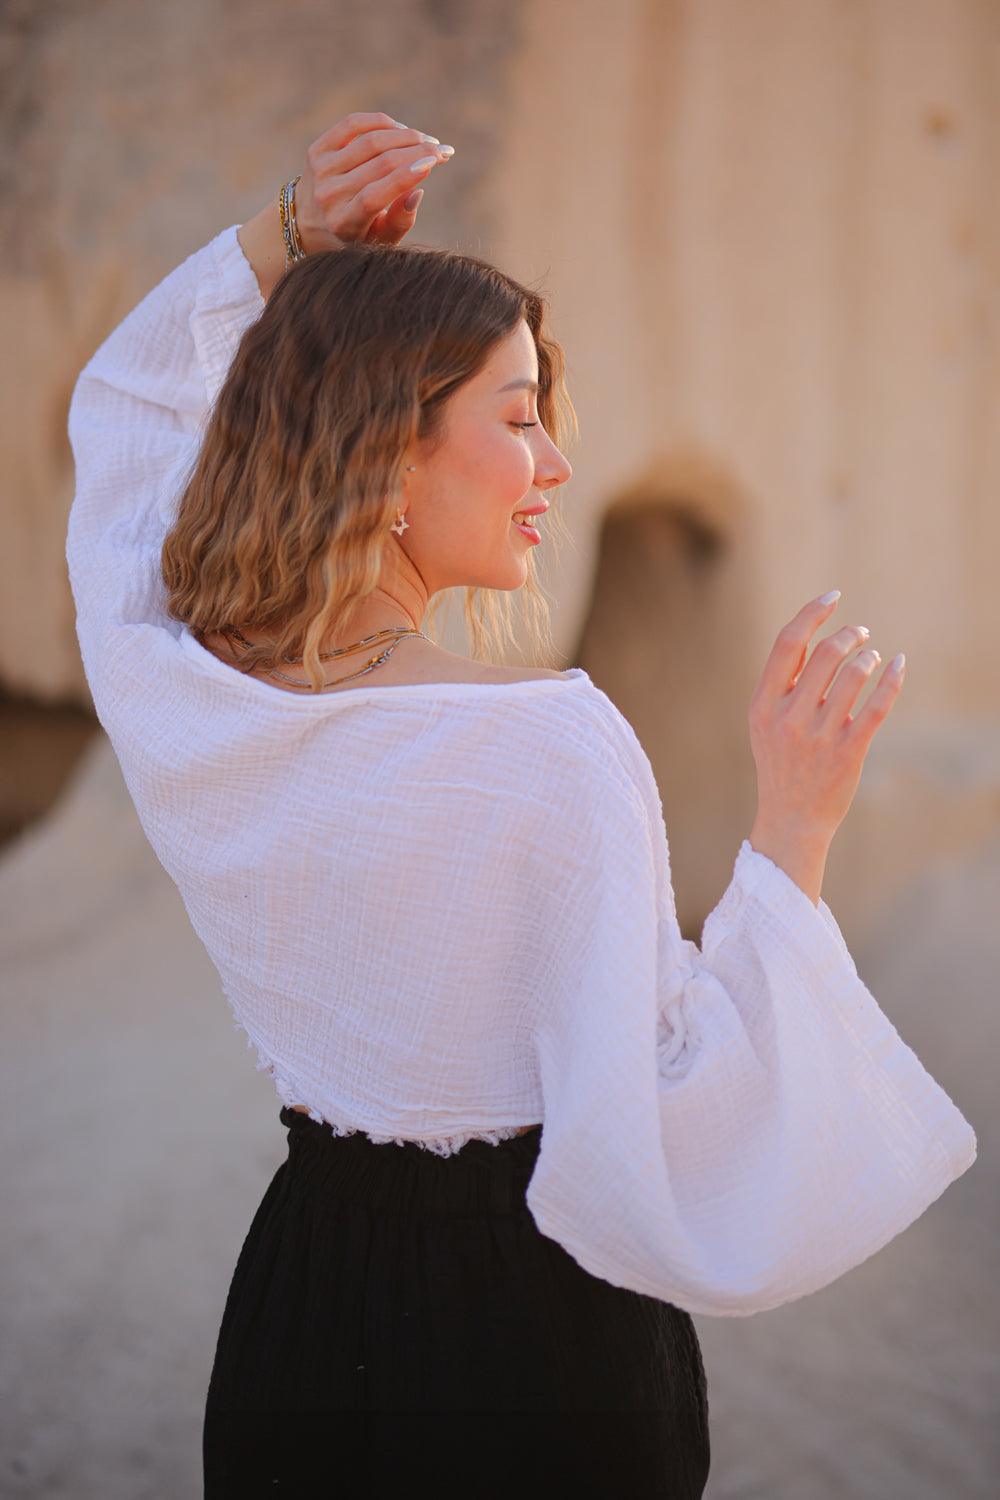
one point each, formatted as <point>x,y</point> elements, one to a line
<point>382,1288</point>
<point>443,911</point>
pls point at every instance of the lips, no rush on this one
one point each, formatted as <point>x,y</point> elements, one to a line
<point>531,510</point>
<point>528,531</point>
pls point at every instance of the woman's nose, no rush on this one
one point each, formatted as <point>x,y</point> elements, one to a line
<point>555,473</point>
<point>555,469</point>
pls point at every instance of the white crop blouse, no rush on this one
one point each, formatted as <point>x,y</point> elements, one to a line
<point>444,911</point>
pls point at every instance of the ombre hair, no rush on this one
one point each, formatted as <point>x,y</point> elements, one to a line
<point>285,513</point>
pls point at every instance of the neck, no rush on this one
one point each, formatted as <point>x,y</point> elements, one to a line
<point>380,611</point>
<point>399,600</point>
<point>382,608</point>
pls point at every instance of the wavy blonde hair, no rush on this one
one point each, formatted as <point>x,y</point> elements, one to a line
<point>283,518</point>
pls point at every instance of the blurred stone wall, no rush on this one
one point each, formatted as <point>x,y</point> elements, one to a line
<point>769,229</point>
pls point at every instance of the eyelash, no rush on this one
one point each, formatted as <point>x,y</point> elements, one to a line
<point>524,424</point>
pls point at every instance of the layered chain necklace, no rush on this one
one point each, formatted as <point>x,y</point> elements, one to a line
<point>394,633</point>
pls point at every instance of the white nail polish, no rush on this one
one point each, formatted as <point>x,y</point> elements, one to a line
<point>425,161</point>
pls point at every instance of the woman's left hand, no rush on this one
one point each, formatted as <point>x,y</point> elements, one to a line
<point>357,179</point>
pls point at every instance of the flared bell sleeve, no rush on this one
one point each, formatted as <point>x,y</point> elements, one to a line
<point>730,1127</point>
<point>135,423</point>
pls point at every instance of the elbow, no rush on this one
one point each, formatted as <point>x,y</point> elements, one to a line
<point>742,1298</point>
<point>80,414</point>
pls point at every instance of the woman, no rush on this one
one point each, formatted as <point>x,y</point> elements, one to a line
<point>531,1128</point>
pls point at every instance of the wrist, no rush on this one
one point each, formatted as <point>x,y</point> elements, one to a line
<point>798,830</point>
<point>263,243</point>
<point>801,851</point>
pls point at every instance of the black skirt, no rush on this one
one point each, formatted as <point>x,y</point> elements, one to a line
<point>396,1318</point>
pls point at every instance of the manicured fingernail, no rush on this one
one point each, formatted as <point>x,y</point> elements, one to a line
<point>411,201</point>
<point>898,664</point>
<point>401,125</point>
<point>432,139</point>
<point>447,150</point>
<point>425,161</point>
<point>826,599</point>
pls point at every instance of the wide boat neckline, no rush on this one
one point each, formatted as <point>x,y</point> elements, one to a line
<point>313,701</point>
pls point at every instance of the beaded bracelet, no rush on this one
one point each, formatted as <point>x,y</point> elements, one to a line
<point>289,228</point>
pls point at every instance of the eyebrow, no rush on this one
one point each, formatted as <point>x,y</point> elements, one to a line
<point>514,385</point>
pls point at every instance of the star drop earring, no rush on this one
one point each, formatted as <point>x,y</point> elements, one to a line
<point>402,523</point>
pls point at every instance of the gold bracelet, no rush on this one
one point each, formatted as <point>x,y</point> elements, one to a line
<point>292,218</point>
<point>289,228</point>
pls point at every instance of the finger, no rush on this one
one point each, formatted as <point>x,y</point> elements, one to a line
<point>363,193</point>
<point>835,707</point>
<point>364,146</point>
<point>397,220</point>
<point>784,662</point>
<point>881,699</point>
<point>817,675</point>
<point>352,125</point>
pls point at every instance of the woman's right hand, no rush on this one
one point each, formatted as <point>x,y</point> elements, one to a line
<point>356,179</point>
<point>808,747</point>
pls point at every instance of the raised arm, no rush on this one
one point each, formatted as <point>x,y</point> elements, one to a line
<point>730,1127</point>
<point>135,421</point>
<point>733,1126</point>
<point>139,404</point>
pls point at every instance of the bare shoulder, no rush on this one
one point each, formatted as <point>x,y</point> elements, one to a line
<point>429,663</point>
<point>525,674</point>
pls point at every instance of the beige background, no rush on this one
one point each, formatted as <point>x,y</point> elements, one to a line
<point>769,231</point>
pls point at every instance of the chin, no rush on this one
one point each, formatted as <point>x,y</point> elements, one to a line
<point>510,577</point>
<point>519,572</point>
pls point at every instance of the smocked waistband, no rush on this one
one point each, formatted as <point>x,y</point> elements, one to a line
<point>479,1177</point>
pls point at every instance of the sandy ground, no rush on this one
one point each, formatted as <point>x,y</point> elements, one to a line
<point>138,1138</point>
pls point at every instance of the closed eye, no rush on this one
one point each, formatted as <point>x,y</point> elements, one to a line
<point>524,424</point>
